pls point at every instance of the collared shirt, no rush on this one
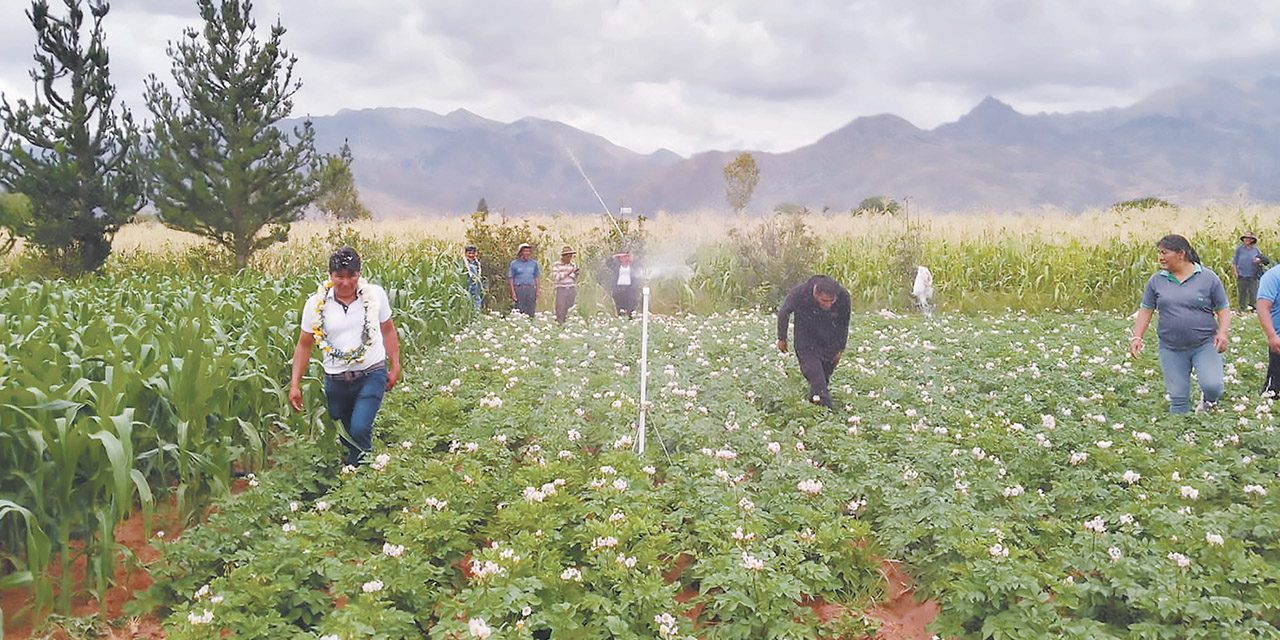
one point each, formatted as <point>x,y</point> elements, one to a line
<point>524,272</point>
<point>345,326</point>
<point>564,275</point>
<point>1186,308</point>
<point>1244,260</point>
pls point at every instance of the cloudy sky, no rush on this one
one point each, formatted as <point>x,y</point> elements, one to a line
<point>696,75</point>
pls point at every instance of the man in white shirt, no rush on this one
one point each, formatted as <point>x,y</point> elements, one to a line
<point>349,318</point>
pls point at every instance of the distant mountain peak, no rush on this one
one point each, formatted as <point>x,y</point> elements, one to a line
<point>991,109</point>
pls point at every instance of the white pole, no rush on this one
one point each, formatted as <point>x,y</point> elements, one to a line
<point>644,367</point>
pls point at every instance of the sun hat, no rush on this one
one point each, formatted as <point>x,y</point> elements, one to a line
<point>567,250</point>
<point>523,246</point>
<point>1249,235</point>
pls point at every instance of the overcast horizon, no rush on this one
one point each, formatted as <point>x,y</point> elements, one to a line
<point>700,75</point>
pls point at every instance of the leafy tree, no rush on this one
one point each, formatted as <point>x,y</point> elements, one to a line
<point>339,199</point>
<point>740,179</point>
<point>482,206</point>
<point>1142,204</point>
<point>15,214</point>
<point>878,205</point>
<point>69,151</point>
<point>220,167</point>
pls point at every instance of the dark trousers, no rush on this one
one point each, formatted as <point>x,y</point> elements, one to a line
<point>526,299</point>
<point>625,298</point>
<point>565,296</point>
<point>1248,291</point>
<point>354,403</point>
<point>1272,381</point>
<point>817,370</point>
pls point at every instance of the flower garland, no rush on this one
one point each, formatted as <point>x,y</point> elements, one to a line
<point>366,332</point>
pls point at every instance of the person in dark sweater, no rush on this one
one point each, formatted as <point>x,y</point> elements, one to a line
<point>821,309</point>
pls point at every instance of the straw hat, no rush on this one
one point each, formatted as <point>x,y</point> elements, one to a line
<point>1249,235</point>
<point>567,251</point>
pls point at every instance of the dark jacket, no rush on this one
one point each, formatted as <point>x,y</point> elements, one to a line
<point>817,331</point>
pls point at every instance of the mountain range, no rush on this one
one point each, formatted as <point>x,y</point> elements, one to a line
<point>1197,141</point>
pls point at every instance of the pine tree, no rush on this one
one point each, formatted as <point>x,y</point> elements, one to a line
<point>339,199</point>
<point>220,167</point>
<point>69,151</point>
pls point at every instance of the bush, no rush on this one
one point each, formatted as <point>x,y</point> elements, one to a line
<point>878,205</point>
<point>772,257</point>
<point>1142,204</point>
<point>496,247</point>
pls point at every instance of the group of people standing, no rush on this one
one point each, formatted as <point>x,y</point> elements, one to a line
<point>524,280</point>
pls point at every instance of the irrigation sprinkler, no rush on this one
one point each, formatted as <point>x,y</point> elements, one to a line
<point>593,187</point>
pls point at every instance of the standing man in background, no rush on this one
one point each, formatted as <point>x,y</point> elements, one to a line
<point>564,278</point>
<point>821,308</point>
<point>523,277</point>
<point>1248,263</point>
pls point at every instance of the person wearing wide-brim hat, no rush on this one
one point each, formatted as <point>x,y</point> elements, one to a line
<point>1248,263</point>
<point>523,277</point>
<point>564,277</point>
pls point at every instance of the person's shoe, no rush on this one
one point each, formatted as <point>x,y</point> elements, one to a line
<point>1206,406</point>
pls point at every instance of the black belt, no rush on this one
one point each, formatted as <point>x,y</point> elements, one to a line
<point>524,286</point>
<point>348,376</point>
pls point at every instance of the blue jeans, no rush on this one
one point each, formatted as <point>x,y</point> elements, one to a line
<point>354,403</point>
<point>1177,366</point>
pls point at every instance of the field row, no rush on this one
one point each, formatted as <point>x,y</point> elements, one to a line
<point>1022,468</point>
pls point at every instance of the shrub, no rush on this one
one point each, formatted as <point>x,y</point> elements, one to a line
<point>878,205</point>
<point>1142,204</point>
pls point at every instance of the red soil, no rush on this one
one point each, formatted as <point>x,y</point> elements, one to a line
<point>901,616</point>
<point>130,534</point>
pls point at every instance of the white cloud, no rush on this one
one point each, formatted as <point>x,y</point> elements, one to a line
<point>692,75</point>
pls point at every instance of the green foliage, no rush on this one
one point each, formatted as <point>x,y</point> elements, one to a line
<point>878,205</point>
<point>339,200</point>
<point>757,266</point>
<point>496,247</point>
<point>1142,204</point>
<point>740,179</point>
<point>106,399</point>
<point>15,214</point>
<point>505,473</point>
<point>220,167</point>
<point>70,151</point>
